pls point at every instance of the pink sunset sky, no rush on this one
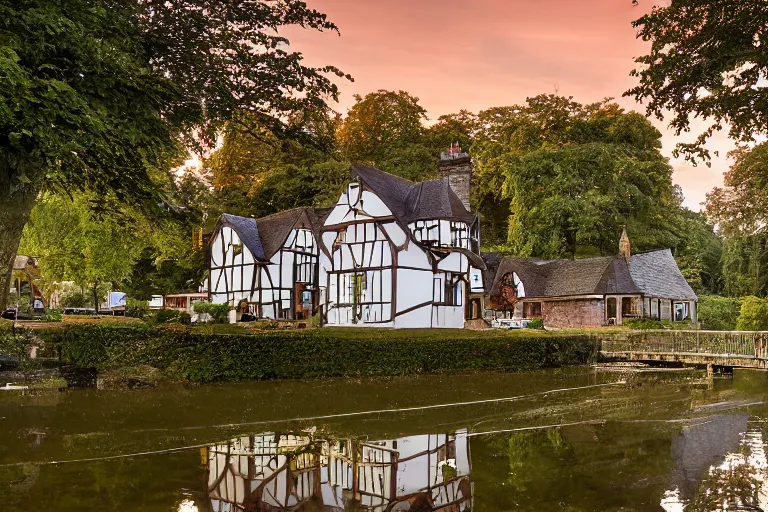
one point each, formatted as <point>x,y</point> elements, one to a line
<point>477,54</point>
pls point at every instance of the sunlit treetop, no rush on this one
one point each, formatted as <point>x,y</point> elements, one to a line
<point>708,60</point>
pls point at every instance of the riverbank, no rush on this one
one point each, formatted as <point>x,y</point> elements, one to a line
<point>296,354</point>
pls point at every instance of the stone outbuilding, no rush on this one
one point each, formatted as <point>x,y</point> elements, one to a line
<point>589,292</point>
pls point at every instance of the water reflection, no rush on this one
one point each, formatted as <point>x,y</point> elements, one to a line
<point>304,471</point>
<point>735,478</point>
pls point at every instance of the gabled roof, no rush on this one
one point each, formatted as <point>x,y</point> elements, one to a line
<point>656,274</point>
<point>246,229</point>
<point>567,278</point>
<point>266,235</point>
<point>408,201</point>
<point>653,274</point>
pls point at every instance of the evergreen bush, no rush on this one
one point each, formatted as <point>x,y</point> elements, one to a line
<point>185,354</point>
<point>753,315</point>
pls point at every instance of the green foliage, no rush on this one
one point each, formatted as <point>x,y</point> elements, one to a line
<point>74,299</point>
<point>317,353</point>
<point>753,315</point>
<point>739,209</point>
<point>163,316</point>
<point>219,312</point>
<point>136,308</point>
<point>75,245</point>
<point>385,129</point>
<point>536,323</point>
<point>705,62</point>
<point>718,313</point>
<point>647,323</point>
<point>699,253</point>
<point>104,96</point>
<point>53,315</point>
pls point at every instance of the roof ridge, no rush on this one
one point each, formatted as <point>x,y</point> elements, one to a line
<point>366,167</point>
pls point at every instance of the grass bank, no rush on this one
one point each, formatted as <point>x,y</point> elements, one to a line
<point>351,352</point>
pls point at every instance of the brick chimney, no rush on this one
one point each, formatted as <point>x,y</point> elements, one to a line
<point>457,167</point>
<point>624,246</point>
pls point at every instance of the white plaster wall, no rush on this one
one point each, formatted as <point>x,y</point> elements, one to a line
<point>454,262</point>
<point>395,233</point>
<point>413,287</point>
<point>418,318</point>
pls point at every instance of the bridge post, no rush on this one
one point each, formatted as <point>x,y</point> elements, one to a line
<point>710,377</point>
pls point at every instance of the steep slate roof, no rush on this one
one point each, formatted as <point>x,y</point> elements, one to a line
<point>567,278</point>
<point>247,231</point>
<point>408,201</point>
<point>656,274</point>
<point>266,235</point>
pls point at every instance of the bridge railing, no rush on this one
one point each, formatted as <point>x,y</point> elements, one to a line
<point>733,343</point>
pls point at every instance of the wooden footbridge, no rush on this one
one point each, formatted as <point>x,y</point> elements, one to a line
<point>747,349</point>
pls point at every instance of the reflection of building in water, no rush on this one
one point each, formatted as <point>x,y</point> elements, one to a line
<point>727,453</point>
<point>272,472</point>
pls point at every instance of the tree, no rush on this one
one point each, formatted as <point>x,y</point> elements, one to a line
<point>707,60</point>
<point>104,95</point>
<point>257,176</point>
<point>740,209</point>
<point>385,129</point>
<point>555,178</point>
<point>699,253</point>
<point>72,244</point>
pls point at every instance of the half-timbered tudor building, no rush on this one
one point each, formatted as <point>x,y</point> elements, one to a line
<point>267,267</point>
<point>273,471</point>
<point>400,254</point>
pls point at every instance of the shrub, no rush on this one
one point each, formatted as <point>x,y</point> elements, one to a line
<point>718,313</point>
<point>52,315</point>
<point>753,315</point>
<point>202,357</point>
<point>646,323</point>
<point>136,308</point>
<point>219,312</point>
<point>536,323</point>
<point>75,300</point>
<point>162,316</point>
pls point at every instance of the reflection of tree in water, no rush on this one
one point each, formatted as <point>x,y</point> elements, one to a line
<point>735,484</point>
<point>534,453</point>
<point>733,488</point>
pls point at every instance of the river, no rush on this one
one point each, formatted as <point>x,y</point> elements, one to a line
<point>577,439</point>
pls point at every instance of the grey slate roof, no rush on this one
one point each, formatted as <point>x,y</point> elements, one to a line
<point>246,229</point>
<point>566,278</point>
<point>656,274</point>
<point>266,235</point>
<point>408,201</point>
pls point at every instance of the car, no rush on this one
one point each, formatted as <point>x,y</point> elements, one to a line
<point>9,313</point>
<point>509,323</point>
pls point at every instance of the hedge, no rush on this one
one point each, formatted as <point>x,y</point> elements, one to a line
<point>314,353</point>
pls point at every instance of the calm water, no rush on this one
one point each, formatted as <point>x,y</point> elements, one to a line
<point>660,441</point>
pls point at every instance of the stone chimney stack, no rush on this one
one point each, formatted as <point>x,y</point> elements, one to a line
<point>624,247</point>
<point>457,167</point>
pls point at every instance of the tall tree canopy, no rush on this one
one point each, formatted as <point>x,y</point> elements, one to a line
<point>740,210</point>
<point>386,129</point>
<point>707,60</point>
<point>103,95</point>
<point>555,178</point>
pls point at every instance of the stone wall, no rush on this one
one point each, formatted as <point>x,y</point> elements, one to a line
<point>573,313</point>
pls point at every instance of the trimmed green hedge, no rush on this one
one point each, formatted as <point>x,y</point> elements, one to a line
<point>315,353</point>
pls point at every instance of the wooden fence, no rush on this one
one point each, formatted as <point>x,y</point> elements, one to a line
<point>723,345</point>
